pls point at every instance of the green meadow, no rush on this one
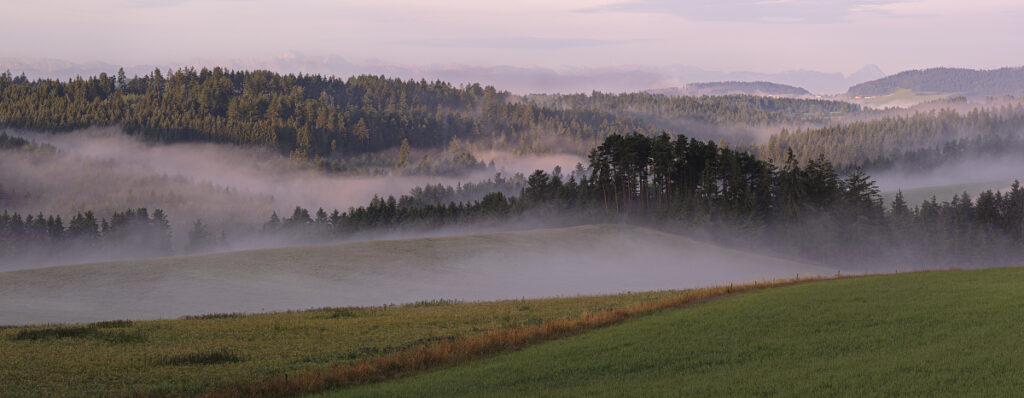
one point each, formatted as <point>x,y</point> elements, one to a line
<point>954,333</point>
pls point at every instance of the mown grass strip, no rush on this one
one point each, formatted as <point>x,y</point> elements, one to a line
<point>202,358</point>
<point>453,351</point>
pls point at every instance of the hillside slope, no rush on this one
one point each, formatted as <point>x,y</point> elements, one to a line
<point>131,358</point>
<point>730,88</point>
<point>926,334</point>
<point>935,81</point>
<point>538,263</point>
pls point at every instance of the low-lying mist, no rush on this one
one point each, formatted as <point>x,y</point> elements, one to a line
<point>972,170</point>
<point>231,189</point>
<point>508,265</point>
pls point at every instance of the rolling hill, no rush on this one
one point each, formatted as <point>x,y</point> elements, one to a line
<point>537,263</point>
<point>197,355</point>
<point>759,88</point>
<point>914,86</point>
<point>923,334</point>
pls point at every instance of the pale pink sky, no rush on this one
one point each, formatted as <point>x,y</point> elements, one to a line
<point>756,35</point>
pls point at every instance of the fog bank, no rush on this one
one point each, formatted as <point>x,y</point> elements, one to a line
<point>231,188</point>
<point>973,170</point>
<point>509,265</point>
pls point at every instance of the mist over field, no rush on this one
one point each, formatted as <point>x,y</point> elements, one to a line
<point>508,265</point>
<point>975,170</point>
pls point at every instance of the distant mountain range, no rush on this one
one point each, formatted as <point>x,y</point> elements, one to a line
<point>727,88</point>
<point>519,80</point>
<point>953,81</point>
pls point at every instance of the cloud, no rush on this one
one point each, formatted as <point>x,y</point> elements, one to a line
<point>152,3</point>
<point>753,11</point>
<point>728,35</point>
<point>516,43</point>
<point>927,8</point>
<point>781,19</point>
<point>170,3</point>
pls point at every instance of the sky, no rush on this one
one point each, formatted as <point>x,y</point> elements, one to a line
<point>726,35</point>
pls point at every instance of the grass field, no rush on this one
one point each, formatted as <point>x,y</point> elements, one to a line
<point>595,259</point>
<point>901,98</point>
<point>191,356</point>
<point>948,333</point>
<point>955,333</point>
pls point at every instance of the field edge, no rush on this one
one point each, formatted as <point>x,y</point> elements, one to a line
<point>451,352</point>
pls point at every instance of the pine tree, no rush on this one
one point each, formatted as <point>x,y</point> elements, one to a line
<point>121,79</point>
<point>361,132</point>
<point>273,224</point>
<point>403,154</point>
<point>899,210</point>
<point>199,238</point>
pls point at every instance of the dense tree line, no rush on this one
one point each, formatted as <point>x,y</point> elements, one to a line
<point>390,214</point>
<point>727,109</point>
<point>306,116</point>
<point>130,233</point>
<point>987,230</point>
<point>439,194</point>
<point>456,159</point>
<point>807,209</point>
<point>9,142</point>
<point>860,142</point>
<point>426,207</point>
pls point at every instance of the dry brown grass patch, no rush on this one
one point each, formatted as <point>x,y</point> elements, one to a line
<point>452,351</point>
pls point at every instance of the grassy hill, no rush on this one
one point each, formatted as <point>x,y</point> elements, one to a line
<point>759,88</point>
<point>951,333</point>
<point>537,263</point>
<point>901,98</point>
<point>995,82</point>
<point>915,86</point>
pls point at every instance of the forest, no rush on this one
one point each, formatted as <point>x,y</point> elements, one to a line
<point>133,232</point>
<point>805,209</point>
<point>872,141</point>
<point>725,109</point>
<point>326,119</point>
<point>681,184</point>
